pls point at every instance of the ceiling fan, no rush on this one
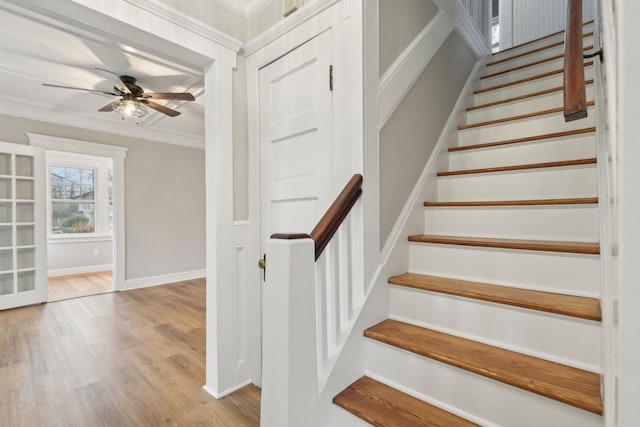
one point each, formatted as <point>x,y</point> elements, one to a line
<point>133,100</point>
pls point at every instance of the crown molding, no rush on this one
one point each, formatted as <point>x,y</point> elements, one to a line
<point>245,8</point>
<point>183,20</point>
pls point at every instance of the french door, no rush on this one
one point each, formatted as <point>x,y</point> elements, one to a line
<point>23,262</point>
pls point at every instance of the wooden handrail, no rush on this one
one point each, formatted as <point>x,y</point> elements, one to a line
<point>330,222</point>
<point>337,212</point>
<point>575,96</point>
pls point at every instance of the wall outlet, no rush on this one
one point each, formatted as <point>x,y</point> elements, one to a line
<point>289,6</point>
<point>96,251</point>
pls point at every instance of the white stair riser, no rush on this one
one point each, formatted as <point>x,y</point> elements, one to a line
<point>493,403</point>
<point>525,88</point>
<point>537,56</point>
<point>564,273</point>
<point>574,342</point>
<point>524,106</point>
<point>569,223</point>
<point>345,418</point>
<point>536,45</point>
<point>548,123</point>
<point>523,73</point>
<point>577,147</point>
<point>546,183</point>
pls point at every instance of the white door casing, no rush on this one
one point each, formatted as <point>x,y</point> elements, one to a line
<point>23,224</point>
<point>296,139</point>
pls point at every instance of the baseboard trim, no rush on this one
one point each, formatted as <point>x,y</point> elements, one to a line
<point>145,282</point>
<point>230,390</point>
<point>79,270</point>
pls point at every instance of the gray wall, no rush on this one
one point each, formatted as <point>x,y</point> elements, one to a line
<point>164,197</point>
<point>408,138</point>
<point>400,21</point>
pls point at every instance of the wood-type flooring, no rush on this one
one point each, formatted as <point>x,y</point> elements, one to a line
<point>134,358</point>
<point>79,285</point>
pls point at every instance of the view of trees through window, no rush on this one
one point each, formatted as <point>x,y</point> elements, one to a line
<point>72,200</point>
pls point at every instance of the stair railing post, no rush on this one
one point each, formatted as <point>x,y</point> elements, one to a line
<point>289,335</point>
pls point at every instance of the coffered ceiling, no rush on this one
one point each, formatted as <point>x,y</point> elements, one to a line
<point>35,49</point>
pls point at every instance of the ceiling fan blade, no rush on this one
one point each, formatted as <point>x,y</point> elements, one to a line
<point>80,88</point>
<point>108,107</point>
<point>166,95</point>
<point>164,110</point>
<point>121,85</point>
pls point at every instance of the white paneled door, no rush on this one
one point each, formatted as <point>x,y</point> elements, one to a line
<point>23,265</point>
<point>296,134</point>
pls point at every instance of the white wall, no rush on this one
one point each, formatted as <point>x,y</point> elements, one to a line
<point>627,13</point>
<point>78,256</point>
<point>524,20</point>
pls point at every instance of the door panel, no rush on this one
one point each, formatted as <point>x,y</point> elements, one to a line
<point>296,138</point>
<point>23,265</point>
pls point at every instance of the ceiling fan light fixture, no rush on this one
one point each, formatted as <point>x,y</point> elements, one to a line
<point>129,108</point>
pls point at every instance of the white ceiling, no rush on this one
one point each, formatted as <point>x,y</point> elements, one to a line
<point>36,50</point>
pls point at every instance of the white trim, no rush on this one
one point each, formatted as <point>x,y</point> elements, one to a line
<point>190,23</point>
<point>163,279</point>
<point>246,8</point>
<point>213,393</point>
<point>118,155</point>
<point>76,146</point>
<point>79,270</point>
<point>405,70</point>
<point>221,340</point>
<point>470,33</point>
<point>286,25</point>
<point>416,195</point>
<point>58,239</point>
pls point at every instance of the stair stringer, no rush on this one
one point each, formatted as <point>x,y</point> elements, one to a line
<point>348,365</point>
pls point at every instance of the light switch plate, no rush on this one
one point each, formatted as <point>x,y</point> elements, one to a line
<point>289,6</point>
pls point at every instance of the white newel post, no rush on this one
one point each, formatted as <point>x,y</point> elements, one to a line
<point>289,359</point>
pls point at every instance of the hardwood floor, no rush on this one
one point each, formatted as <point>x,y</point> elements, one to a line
<point>79,285</point>
<point>134,358</point>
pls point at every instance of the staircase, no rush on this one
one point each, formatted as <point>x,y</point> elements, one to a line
<point>497,322</point>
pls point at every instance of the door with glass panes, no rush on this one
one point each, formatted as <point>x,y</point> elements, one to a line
<point>23,265</point>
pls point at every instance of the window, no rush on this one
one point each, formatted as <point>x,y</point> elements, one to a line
<point>72,200</point>
<point>80,195</point>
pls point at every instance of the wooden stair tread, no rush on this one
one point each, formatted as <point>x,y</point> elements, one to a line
<point>530,202</point>
<point>384,406</point>
<point>520,244</point>
<point>561,163</point>
<point>525,139</point>
<point>518,117</point>
<point>530,52</point>
<point>537,40</point>
<point>563,383</point>
<point>523,97</point>
<point>568,305</point>
<point>528,79</point>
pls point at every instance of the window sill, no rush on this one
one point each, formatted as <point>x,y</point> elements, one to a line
<point>79,239</point>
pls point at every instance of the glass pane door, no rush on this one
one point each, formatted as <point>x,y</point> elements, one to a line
<point>23,266</point>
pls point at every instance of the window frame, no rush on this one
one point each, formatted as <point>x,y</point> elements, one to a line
<point>100,166</point>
